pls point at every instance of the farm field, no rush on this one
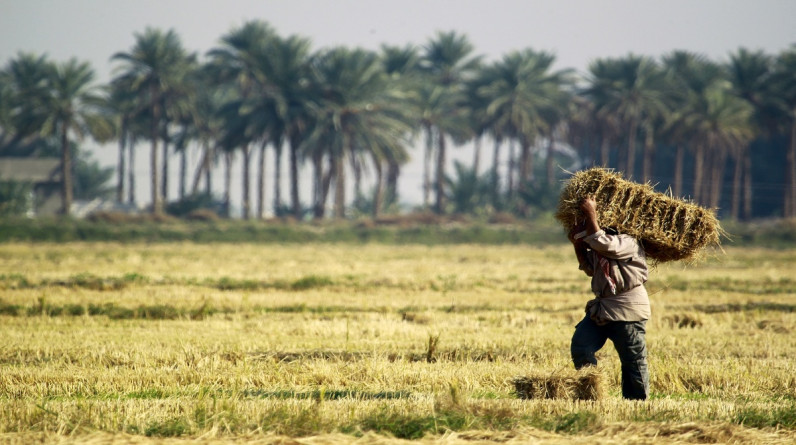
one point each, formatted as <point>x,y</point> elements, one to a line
<point>375,343</point>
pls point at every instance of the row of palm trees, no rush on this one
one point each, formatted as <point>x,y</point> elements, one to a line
<point>348,112</point>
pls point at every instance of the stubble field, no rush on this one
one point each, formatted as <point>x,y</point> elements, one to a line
<point>338,343</point>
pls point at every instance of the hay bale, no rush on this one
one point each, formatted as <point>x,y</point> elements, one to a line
<point>670,229</point>
<point>585,384</point>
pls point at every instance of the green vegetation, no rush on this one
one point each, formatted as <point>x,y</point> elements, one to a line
<point>719,133</point>
<point>393,232</point>
<point>410,229</point>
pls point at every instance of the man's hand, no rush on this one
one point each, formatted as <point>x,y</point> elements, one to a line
<point>589,208</point>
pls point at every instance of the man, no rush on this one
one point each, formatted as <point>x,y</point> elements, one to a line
<point>617,266</point>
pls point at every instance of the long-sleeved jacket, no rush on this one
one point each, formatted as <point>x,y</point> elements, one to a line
<point>619,270</point>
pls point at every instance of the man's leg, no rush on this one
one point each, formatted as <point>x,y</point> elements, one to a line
<point>586,341</point>
<point>629,341</point>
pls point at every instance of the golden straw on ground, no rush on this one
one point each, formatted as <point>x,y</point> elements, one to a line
<point>671,229</point>
<point>585,384</point>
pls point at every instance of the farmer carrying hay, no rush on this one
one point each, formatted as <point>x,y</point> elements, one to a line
<point>617,266</point>
<point>610,221</point>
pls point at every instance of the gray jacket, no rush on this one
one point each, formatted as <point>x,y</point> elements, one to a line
<point>617,279</point>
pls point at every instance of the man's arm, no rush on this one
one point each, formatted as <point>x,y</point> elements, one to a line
<point>589,208</point>
<point>611,246</point>
<point>576,238</point>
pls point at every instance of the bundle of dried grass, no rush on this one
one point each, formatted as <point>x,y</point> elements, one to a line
<point>670,229</point>
<point>585,384</point>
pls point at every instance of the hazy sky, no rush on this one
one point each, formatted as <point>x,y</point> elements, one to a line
<point>576,31</point>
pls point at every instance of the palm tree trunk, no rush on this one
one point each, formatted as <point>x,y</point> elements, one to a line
<point>393,172</point>
<point>510,173</point>
<point>209,171</point>
<point>495,171</point>
<point>164,193</point>
<point>183,171</point>
<point>157,205</point>
<point>317,186</point>
<point>525,168</point>
<point>649,151</point>
<point>678,170</point>
<point>357,169</point>
<point>699,160</point>
<point>707,177</point>
<point>737,178</point>
<point>261,182</point>
<point>294,189</point>
<point>246,181</point>
<point>525,163</point>
<point>549,162</point>
<point>277,179</point>
<point>66,172</point>
<point>227,183</point>
<point>427,166</point>
<point>327,181</point>
<point>377,194</point>
<point>131,173</point>
<point>339,187</point>
<point>440,180</point>
<point>477,154</point>
<point>747,187</point>
<point>631,149</point>
<point>121,167</point>
<point>790,176</point>
<point>605,146</point>
<point>200,168</point>
<point>717,177</point>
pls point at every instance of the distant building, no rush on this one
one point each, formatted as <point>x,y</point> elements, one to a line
<point>45,176</point>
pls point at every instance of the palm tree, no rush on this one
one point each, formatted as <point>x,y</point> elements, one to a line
<point>124,107</point>
<point>524,100</point>
<point>479,120</point>
<point>402,66</point>
<point>237,62</point>
<point>285,71</point>
<point>27,87</point>
<point>177,108</point>
<point>585,127</point>
<point>6,125</point>
<point>447,62</point>
<point>208,123</point>
<point>689,76</point>
<point>722,127</point>
<point>468,191</point>
<point>72,106</point>
<point>443,112</point>
<point>152,66</point>
<point>784,82</point>
<point>750,73</point>
<point>358,117</point>
<point>630,89</point>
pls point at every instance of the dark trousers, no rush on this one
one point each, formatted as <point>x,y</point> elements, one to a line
<point>629,341</point>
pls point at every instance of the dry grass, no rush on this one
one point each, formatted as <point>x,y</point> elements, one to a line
<point>671,229</point>
<point>585,384</point>
<point>378,344</point>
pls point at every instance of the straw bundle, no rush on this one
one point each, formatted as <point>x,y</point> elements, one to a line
<point>585,384</point>
<point>670,229</point>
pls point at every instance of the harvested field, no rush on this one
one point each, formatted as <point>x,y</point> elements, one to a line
<point>330,343</point>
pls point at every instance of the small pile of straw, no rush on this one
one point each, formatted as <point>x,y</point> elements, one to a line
<point>670,229</point>
<point>585,384</point>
